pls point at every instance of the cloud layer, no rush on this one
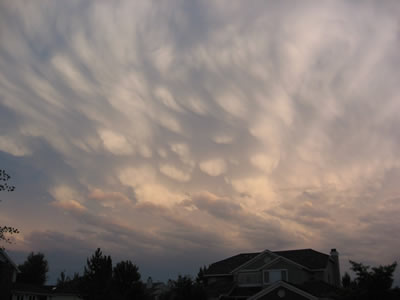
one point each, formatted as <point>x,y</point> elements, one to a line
<point>192,130</point>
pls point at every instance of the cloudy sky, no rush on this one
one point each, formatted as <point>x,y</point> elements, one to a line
<point>177,133</point>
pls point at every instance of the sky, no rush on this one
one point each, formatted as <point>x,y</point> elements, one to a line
<point>178,133</point>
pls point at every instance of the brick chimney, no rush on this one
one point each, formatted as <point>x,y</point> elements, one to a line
<point>336,269</point>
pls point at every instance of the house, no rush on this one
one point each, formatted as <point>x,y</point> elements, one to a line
<point>292,274</point>
<point>10,289</point>
<point>46,292</point>
<point>155,289</point>
<point>8,274</point>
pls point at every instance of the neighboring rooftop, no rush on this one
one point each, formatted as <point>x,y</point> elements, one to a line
<point>6,259</point>
<point>306,257</point>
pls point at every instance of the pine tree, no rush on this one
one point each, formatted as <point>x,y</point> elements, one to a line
<point>97,277</point>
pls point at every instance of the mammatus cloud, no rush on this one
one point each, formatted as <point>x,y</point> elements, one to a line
<point>115,143</point>
<point>174,173</point>
<point>174,128</point>
<point>213,167</point>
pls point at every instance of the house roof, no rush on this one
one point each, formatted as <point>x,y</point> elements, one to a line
<point>287,287</point>
<point>218,288</point>
<point>43,289</point>
<point>320,288</point>
<point>225,266</point>
<point>31,289</point>
<point>7,259</point>
<point>306,257</point>
<point>245,291</point>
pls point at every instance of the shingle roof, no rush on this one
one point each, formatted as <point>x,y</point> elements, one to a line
<point>30,288</point>
<point>306,257</point>
<point>248,291</point>
<point>218,288</point>
<point>7,259</point>
<point>321,289</point>
<point>43,289</point>
<point>227,265</point>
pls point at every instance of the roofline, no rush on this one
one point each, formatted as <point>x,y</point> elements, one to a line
<point>277,256</point>
<point>212,275</point>
<point>250,261</point>
<point>9,259</point>
<point>21,291</point>
<point>285,285</point>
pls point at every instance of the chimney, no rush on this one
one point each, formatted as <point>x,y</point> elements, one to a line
<point>149,283</point>
<point>336,267</point>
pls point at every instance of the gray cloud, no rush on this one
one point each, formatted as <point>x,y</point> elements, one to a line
<point>118,112</point>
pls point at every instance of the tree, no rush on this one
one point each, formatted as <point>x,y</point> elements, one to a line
<point>185,288</point>
<point>346,280</point>
<point>378,279</point>
<point>200,275</point>
<point>64,281</point>
<point>369,283</point>
<point>34,269</point>
<point>97,277</point>
<point>126,282</point>
<point>4,186</point>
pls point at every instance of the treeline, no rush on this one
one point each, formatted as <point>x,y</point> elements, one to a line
<point>101,281</point>
<point>370,283</point>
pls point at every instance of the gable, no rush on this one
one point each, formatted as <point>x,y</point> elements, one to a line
<point>282,290</point>
<point>260,261</point>
<point>308,258</point>
<point>282,263</point>
<point>6,259</point>
<point>282,293</point>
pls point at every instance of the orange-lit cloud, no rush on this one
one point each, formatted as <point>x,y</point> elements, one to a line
<point>171,129</point>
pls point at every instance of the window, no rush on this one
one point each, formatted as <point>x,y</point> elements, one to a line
<point>271,276</point>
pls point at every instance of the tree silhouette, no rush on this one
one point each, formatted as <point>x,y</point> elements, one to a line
<point>4,186</point>
<point>73,284</point>
<point>34,269</point>
<point>62,279</point>
<point>370,282</point>
<point>200,275</point>
<point>346,280</point>
<point>185,288</point>
<point>97,277</point>
<point>126,281</point>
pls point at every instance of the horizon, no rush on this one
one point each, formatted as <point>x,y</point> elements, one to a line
<point>176,133</point>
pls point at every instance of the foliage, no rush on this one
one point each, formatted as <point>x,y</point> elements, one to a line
<point>97,276</point>
<point>126,282</point>
<point>4,186</point>
<point>369,283</point>
<point>64,281</point>
<point>379,278</point>
<point>200,275</point>
<point>101,281</point>
<point>346,280</point>
<point>34,269</point>
<point>184,288</point>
